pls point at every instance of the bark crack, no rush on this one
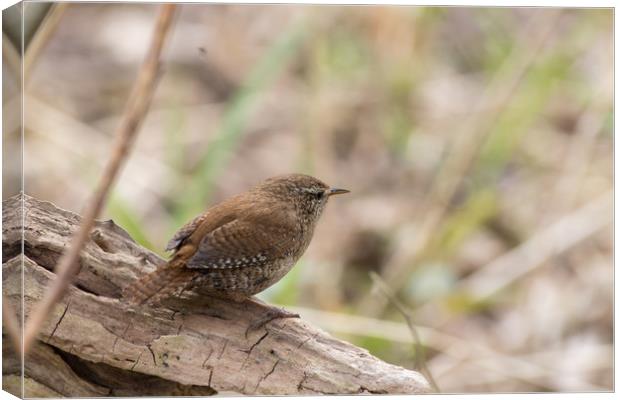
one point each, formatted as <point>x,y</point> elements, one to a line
<point>249,351</point>
<point>64,312</point>
<point>210,376</point>
<point>122,336</point>
<point>207,357</point>
<point>148,346</point>
<point>257,343</point>
<point>267,375</point>
<point>300,385</point>
<point>180,328</point>
<point>219,357</point>
<point>136,362</point>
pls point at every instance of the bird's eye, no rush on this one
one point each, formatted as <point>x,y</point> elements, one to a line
<point>319,195</point>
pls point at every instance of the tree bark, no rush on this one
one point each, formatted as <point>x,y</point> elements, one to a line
<point>94,344</point>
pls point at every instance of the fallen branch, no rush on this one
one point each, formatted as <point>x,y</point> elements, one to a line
<point>92,344</point>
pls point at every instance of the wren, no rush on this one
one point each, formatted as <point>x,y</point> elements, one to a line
<point>242,245</point>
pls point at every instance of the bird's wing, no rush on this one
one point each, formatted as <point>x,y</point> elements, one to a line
<point>245,242</point>
<point>184,232</point>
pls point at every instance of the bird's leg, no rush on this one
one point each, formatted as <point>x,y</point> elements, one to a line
<point>269,315</point>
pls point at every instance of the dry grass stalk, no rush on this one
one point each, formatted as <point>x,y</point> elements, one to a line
<point>42,36</point>
<point>420,357</point>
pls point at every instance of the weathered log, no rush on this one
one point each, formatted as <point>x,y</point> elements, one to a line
<point>94,344</point>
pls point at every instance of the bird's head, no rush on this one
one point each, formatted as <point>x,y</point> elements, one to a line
<point>308,194</point>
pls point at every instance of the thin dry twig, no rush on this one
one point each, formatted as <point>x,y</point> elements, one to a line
<point>465,149</point>
<point>42,36</point>
<point>135,112</point>
<point>419,354</point>
<point>36,46</point>
<point>11,57</point>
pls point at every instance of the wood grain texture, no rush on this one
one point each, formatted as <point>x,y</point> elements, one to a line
<point>94,344</point>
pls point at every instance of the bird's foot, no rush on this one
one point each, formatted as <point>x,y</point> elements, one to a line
<point>269,315</point>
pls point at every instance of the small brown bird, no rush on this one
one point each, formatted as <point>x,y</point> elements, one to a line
<point>243,245</point>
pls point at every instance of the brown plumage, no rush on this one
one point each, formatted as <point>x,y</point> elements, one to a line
<point>243,245</point>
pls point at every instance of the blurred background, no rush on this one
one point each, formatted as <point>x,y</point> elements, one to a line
<point>476,142</point>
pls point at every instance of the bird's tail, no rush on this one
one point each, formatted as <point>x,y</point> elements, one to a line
<point>158,285</point>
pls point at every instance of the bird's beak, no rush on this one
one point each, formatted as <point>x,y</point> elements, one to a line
<point>333,191</point>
